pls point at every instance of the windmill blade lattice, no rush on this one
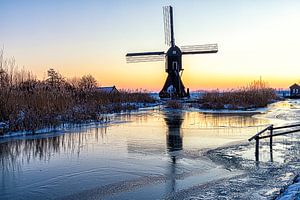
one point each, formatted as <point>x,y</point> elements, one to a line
<point>199,49</point>
<point>167,25</point>
<point>145,57</point>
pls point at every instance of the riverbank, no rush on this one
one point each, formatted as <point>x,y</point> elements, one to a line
<point>67,126</point>
<point>106,111</point>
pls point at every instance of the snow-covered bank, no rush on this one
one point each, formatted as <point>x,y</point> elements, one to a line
<point>292,191</point>
<point>264,180</point>
<point>227,111</point>
<point>110,118</point>
<point>287,111</point>
<point>63,128</point>
<point>268,179</point>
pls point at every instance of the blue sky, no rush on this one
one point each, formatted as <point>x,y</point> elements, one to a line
<point>256,38</point>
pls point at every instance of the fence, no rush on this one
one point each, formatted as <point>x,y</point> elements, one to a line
<point>271,129</point>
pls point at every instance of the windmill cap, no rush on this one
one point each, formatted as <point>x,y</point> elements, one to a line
<point>174,51</point>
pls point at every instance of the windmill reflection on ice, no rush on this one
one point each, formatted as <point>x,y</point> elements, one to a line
<point>173,87</point>
<point>174,135</point>
<point>174,144</point>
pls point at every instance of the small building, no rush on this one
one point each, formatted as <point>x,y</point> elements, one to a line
<point>295,90</point>
<point>108,90</point>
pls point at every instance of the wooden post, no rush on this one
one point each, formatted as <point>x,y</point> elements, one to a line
<point>271,143</point>
<point>257,149</point>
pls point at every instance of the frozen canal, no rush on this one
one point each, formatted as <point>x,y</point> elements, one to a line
<point>154,154</point>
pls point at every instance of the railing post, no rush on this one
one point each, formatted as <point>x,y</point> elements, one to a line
<point>271,143</point>
<point>257,149</point>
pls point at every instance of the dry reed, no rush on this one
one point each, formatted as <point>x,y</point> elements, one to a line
<point>28,104</point>
<point>256,94</point>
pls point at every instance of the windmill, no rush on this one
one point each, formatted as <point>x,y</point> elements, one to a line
<point>173,87</point>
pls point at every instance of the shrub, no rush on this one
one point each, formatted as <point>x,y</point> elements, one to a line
<point>255,95</point>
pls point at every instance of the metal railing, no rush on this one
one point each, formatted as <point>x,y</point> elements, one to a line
<point>271,129</point>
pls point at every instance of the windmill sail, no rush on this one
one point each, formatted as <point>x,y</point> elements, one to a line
<point>145,57</point>
<point>166,14</point>
<point>199,49</point>
<point>168,25</point>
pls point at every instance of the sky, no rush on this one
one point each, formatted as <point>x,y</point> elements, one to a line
<point>76,37</point>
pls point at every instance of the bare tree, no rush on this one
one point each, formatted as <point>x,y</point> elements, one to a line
<point>88,82</point>
<point>54,78</point>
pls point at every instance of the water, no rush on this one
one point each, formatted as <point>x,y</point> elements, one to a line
<point>150,154</point>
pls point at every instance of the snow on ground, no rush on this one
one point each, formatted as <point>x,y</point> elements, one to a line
<point>292,191</point>
<point>3,126</point>
<point>268,179</point>
<point>227,111</point>
<point>63,128</point>
<point>286,111</point>
<point>265,180</point>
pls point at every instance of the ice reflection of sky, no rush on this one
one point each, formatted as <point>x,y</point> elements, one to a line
<point>146,149</point>
<point>283,112</point>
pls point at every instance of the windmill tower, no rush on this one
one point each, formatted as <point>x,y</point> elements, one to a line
<point>173,87</point>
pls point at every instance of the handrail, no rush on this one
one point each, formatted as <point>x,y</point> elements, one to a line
<point>271,128</point>
<point>278,134</point>
<point>287,126</point>
<point>260,132</point>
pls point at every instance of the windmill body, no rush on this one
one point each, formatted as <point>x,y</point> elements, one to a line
<point>173,87</point>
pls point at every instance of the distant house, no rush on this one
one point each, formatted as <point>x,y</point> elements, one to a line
<point>108,90</point>
<point>295,90</point>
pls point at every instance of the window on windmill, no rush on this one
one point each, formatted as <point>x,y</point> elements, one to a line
<point>174,52</point>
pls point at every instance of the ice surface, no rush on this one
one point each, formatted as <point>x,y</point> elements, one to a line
<point>155,154</point>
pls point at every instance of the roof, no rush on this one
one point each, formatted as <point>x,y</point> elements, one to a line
<point>174,51</point>
<point>107,89</point>
<point>295,85</point>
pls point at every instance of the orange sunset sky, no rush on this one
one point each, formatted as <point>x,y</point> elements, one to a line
<point>256,39</point>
